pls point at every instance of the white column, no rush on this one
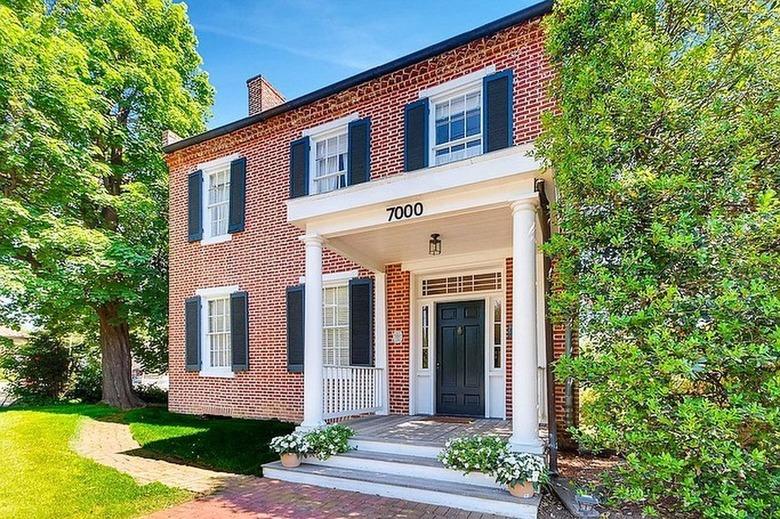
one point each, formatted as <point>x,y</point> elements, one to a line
<point>312,360</point>
<point>525,421</point>
<point>380,336</point>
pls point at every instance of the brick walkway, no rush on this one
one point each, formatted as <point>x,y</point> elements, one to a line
<point>234,496</point>
<point>271,499</point>
<point>112,444</point>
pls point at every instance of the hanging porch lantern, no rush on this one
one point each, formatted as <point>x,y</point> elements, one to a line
<point>434,245</point>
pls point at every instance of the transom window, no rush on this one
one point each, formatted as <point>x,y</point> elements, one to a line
<point>487,281</point>
<point>330,163</point>
<point>335,329</point>
<point>457,127</point>
<point>218,332</point>
<point>218,203</point>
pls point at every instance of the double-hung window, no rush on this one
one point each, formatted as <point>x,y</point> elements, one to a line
<point>330,161</point>
<point>215,342</point>
<point>335,329</point>
<point>218,202</point>
<point>457,124</point>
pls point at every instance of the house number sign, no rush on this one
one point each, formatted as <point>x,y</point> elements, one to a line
<point>402,212</point>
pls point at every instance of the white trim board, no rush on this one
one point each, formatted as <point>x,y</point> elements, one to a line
<point>457,83</point>
<point>336,124</point>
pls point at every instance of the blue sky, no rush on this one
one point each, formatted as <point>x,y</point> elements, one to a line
<point>302,45</point>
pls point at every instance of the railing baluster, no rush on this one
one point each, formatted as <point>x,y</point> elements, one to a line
<point>349,390</point>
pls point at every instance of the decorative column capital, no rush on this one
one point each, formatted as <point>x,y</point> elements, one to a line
<point>312,239</point>
<point>523,205</point>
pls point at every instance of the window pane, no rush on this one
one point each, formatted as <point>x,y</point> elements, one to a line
<point>472,123</point>
<point>497,357</point>
<point>442,133</point>
<point>456,127</point>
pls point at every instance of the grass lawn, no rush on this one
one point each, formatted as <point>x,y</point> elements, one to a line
<point>41,477</point>
<point>225,444</point>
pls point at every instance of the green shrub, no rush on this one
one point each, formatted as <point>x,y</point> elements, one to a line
<point>86,382</point>
<point>666,157</point>
<point>151,394</point>
<point>38,370</point>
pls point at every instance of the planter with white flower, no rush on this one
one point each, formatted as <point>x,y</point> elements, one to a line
<point>522,473</point>
<point>291,448</point>
<point>329,441</point>
<point>475,456</point>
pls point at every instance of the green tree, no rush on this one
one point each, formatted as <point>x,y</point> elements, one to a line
<point>666,150</point>
<point>86,89</point>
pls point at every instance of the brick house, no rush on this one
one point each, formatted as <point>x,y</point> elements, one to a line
<point>372,249</point>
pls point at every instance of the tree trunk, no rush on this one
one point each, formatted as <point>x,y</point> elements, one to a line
<point>116,360</point>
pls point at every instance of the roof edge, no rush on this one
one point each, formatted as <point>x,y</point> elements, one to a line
<point>533,11</point>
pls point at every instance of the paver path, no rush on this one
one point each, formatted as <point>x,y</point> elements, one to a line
<point>111,444</point>
<point>235,496</point>
<point>272,499</point>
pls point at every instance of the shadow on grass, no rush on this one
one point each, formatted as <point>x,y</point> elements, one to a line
<point>222,444</point>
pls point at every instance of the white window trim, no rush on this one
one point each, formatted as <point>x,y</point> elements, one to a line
<point>208,168</point>
<point>335,278</point>
<point>321,132</point>
<point>457,83</point>
<point>205,355</point>
<point>336,124</point>
<point>461,88</point>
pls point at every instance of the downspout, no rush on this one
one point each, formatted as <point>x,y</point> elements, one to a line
<point>569,395</point>
<point>552,430</point>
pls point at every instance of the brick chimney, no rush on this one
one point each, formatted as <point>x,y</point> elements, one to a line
<point>262,95</point>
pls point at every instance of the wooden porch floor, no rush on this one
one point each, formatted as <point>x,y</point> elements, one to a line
<point>425,430</point>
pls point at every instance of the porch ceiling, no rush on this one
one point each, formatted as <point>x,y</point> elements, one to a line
<point>460,233</point>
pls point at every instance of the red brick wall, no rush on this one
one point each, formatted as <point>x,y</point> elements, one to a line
<point>267,257</point>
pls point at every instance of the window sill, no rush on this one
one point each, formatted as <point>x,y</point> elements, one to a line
<point>217,373</point>
<point>211,240</point>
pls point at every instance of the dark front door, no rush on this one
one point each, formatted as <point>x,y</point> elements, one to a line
<point>460,358</point>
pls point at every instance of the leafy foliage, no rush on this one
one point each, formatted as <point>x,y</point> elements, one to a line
<point>666,152</point>
<point>38,370</point>
<point>328,441</point>
<point>293,443</point>
<point>86,89</point>
<point>474,453</point>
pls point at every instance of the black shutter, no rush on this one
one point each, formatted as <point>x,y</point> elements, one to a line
<point>416,135</point>
<point>237,195</point>
<point>295,327</point>
<point>497,95</point>
<point>194,206</point>
<point>239,331</point>
<point>192,334</point>
<point>361,315</point>
<point>359,162</point>
<point>299,168</point>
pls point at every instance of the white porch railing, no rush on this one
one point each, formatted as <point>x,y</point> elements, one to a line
<point>351,390</point>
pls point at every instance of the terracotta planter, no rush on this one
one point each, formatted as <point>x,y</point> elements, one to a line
<point>522,490</point>
<point>290,460</point>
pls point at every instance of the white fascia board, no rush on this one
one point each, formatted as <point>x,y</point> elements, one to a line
<point>490,166</point>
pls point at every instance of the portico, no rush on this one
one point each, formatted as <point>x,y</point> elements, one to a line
<point>485,210</point>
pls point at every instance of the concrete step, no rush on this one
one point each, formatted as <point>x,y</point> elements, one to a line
<point>422,490</point>
<point>403,465</point>
<point>420,449</point>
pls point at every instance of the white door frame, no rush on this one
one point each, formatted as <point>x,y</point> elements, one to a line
<point>417,301</point>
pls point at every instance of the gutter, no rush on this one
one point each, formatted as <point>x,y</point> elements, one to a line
<point>486,30</point>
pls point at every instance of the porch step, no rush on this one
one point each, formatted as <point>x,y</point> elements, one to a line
<point>423,490</point>
<point>419,448</point>
<point>403,465</point>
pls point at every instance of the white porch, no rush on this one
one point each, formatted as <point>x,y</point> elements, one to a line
<point>485,210</point>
